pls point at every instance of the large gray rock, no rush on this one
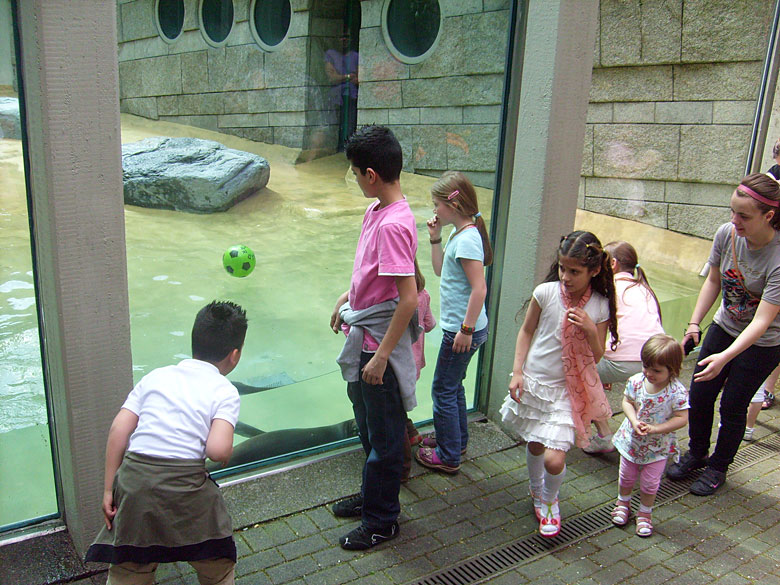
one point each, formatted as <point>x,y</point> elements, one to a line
<point>10,127</point>
<point>190,174</point>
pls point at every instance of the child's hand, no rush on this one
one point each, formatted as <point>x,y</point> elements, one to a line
<point>434,227</point>
<point>516,387</point>
<point>581,319</point>
<point>335,321</point>
<point>462,342</point>
<point>640,428</point>
<point>648,428</point>
<point>109,509</point>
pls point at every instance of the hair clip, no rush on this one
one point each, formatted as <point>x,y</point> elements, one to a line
<point>477,214</point>
<point>452,195</point>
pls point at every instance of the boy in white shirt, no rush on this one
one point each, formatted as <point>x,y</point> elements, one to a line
<point>159,503</point>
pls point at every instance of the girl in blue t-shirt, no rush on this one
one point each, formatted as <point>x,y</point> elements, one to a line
<point>463,319</point>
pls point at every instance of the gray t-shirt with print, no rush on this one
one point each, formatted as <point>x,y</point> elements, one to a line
<point>761,272</point>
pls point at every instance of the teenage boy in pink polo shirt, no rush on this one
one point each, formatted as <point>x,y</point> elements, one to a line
<point>382,299</point>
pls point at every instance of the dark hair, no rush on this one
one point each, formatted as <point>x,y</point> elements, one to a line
<point>586,248</point>
<point>464,202</point>
<point>767,187</point>
<point>628,261</point>
<point>419,279</point>
<point>663,350</point>
<point>220,327</point>
<point>376,147</point>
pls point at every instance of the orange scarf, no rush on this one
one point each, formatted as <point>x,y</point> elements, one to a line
<point>586,393</point>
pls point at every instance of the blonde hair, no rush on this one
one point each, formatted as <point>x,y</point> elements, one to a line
<point>663,350</point>
<point>454,189</point>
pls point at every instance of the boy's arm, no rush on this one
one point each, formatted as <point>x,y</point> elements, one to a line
<point>374,370</point>
<point>123,426</point>
<point>219,444</point>
<point>335,318</point>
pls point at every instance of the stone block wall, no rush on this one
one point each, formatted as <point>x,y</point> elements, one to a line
<point>445,110</point>
<point>672,102</point>
<point>279,97</point>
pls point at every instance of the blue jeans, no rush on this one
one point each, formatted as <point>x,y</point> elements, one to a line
<point>449,397</point>
<point>739,380</point>
<point>381,422</point>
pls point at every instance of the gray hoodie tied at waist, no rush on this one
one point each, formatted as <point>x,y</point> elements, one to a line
<point>376,320</point>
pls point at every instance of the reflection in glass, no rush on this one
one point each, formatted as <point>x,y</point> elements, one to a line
<point>170,16</point>
<point>217,18</point>
<point>284,105</point>
<point>413,25</point>
<point>271,20</point>
<point>26,471</point>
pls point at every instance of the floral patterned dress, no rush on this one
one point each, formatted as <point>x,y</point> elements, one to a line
<point>653,409</point>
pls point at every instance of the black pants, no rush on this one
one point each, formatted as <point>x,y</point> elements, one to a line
<point>381,422</point>
<point>739,379</point>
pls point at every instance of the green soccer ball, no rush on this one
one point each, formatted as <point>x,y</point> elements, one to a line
<point>239,260</point>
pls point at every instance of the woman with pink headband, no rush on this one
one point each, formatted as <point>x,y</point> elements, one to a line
<point>742,346</point>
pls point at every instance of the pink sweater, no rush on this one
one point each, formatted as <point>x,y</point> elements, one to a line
<point>638,319</point>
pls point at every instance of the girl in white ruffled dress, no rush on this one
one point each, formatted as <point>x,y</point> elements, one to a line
<point>555,392</point>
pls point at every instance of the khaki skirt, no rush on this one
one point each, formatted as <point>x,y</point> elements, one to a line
<point>167,510</point>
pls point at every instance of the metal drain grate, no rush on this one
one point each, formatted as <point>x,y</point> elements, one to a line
<point>500,560</point>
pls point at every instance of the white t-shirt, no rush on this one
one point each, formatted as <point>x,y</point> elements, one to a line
<point>544,361</point>
<point>175,407</point>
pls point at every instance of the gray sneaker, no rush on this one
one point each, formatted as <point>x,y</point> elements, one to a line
<point>599,445</point>
<point>748,434</point>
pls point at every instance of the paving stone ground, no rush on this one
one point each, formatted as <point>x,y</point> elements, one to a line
<point>730,538</point>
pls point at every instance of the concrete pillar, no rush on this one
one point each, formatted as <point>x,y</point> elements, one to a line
<point>544,134</point>
<point>70,84</point>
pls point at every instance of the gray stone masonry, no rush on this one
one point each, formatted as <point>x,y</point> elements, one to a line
<point>287,534</point>
<point>672,103</point>
<point>278,96</point>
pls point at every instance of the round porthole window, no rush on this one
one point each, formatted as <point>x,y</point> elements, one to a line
<point>269,21</point>
<point>216,21</point>
<point>411,28</point>
<point>169,18</point>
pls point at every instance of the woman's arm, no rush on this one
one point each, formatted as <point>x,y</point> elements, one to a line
<point>707,296</point>
<point>530,323</point>
<point>475,273</point>
<point>765,314</point>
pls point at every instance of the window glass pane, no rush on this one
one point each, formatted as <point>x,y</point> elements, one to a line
<point>413,25</point>
<point>217,17</point>
<point>26,472</point>
<point>665,144</point>
<point>271,20</point>
<point>170,17</point>
<point>294,107</point>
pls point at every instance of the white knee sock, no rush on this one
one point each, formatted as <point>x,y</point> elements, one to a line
<point>535,465</point>
<point>552,485</point>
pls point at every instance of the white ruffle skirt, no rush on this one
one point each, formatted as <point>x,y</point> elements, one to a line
<point>543,415</point>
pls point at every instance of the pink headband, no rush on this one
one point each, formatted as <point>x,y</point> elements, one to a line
<point>452,195</point>
<point>757,197</point>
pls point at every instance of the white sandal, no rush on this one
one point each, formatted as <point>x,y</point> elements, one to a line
<point>644,525</point>
<point>621,513</point>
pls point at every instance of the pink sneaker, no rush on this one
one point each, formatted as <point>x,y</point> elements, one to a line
<point>430,442</point>
<point>427,457</point>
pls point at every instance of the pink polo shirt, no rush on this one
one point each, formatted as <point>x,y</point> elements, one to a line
<point>386,249</point>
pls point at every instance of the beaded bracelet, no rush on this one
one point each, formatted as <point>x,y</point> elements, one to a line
<point>436,241</point>
<point>466,330</point>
